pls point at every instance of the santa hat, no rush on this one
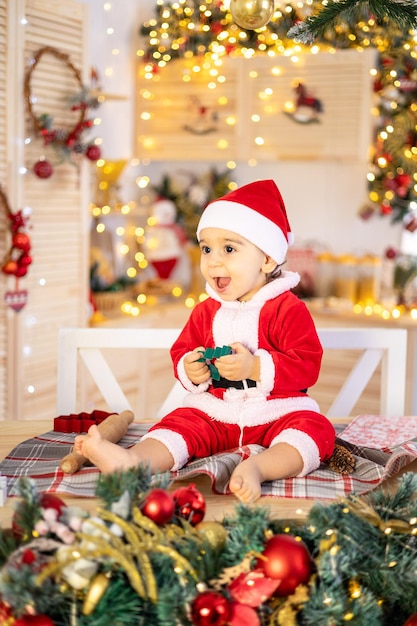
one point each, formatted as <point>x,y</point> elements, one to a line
<point>256,212</point>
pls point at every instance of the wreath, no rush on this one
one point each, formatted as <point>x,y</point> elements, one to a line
<point>68,143</point>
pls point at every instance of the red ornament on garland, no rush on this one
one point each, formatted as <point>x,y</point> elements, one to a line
<point>288,560</point>
<point>43,169</point>
<point>159,506</point>
<point>243,615</point>
<point>17,260</point>
<point>253,588</point>
<point>190,504</point>
<point>46,501</point>
<point>411,621</point>
<point>93,152</point>
<point>210,608</point>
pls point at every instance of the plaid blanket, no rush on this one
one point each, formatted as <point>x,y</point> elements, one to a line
<point>39,458</point>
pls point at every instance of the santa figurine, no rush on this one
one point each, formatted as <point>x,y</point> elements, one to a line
<point>165,244</point>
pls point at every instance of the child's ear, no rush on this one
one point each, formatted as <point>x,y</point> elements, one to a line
<point>268,265</point>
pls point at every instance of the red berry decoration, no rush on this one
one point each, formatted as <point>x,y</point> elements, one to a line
<point>158,506</point>
<point>43,169</point>
<point>210,608</point>
<point>288,560</point>
<point>190,504</point>
<point>93,152</point>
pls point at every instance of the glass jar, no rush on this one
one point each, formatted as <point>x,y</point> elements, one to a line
<point>369,279</point>
<point>325,275</point>
<point>346,279</point>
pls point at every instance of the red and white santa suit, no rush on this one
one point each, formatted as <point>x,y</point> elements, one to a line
<point>275,326</point>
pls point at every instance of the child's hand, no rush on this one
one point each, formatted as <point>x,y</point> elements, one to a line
<point>197,372</point>
<point>239,365</point>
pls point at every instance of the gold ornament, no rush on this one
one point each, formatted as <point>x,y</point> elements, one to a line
<point>214,532</point>
<point>107,177</point>
<point>252,14</point>
<point>95,592</point>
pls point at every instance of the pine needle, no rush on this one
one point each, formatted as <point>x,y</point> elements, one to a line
<point>402,12</point>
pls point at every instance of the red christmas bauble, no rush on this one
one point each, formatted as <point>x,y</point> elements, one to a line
<point>25,259</point>
<point>93,152</point>
<point>34,620</point>
<point>190,504</point>
<point>21,271</point>
<point>288,560</point>
<point>210,608</point>
<point>21,241</point>
<point>411,621</point>
<point>391,253</point>
<point>158,506</point>
<point>43,169</point>
<point>10,267</point>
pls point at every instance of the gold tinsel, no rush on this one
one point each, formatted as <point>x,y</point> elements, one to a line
<point>130,552</point>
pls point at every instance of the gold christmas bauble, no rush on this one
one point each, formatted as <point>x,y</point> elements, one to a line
<point>95,592</point>
<point>214,532</point>
<point>252,14</point>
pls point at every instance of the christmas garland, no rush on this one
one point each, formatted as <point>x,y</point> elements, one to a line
<point>401,12</point>
<point>69,143</point>
<point>147,556</point>
<point>17,259</point>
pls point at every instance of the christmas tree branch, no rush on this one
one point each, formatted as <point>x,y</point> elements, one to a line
<point>403,12</point>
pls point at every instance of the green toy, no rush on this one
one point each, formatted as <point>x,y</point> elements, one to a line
<point>210,354</point>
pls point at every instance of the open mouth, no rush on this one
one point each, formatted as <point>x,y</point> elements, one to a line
<point>221,282</point>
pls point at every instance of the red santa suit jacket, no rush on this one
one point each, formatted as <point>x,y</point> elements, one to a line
<point>274,325</point>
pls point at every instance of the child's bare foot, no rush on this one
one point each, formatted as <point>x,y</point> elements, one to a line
<point>246,481</point>
<point>107,456</point>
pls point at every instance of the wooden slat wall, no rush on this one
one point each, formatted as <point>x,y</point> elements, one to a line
<point>57,280</point>
<point>3,219</point>
<point>341,81</point>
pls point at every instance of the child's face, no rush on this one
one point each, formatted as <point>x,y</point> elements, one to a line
<point>233,266</point>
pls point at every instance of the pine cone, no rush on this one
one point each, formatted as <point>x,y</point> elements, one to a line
<point>342,461</point>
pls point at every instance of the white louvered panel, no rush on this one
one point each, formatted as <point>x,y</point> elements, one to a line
<point>4,239</point>
<point>58,278</point>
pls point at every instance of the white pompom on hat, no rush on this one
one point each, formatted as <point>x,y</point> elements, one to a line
<point>256,212</point>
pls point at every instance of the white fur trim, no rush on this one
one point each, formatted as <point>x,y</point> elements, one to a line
<point>247,222</point>
<point>267,371</point>
<point>304,444</point>
<point>175,444</point>
<point>248,407</point>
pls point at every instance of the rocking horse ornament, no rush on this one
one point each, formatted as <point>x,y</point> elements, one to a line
<point>306,108</point>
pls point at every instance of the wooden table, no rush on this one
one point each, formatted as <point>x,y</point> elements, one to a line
<point>14,432</point>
